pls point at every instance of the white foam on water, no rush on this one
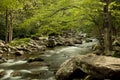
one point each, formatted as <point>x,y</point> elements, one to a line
<point>46,55</point>
<point>25,71</point>
<point>10,63</point>
<point>1,70</point>
<point>16,78</point>
<point>68,49</point>
<point>40,68</point>
<point>51,78</point>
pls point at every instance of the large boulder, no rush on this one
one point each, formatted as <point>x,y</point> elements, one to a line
<point>98,67</point>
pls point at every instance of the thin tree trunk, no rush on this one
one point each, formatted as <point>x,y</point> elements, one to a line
<point>6,33</point>
<point>107,29</point>
<point>10,27</point>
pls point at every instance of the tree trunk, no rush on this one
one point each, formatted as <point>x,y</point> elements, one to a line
<point>7,32</point>
<point>107,29</point>
<point>9,29</point>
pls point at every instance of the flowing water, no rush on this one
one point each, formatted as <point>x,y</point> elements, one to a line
<point>22,70</point>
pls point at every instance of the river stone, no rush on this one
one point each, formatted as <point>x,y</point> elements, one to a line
<point>22,48</point>
<point>88,40</point>
<point>19,53</point>
<point>96,47</point>
<point>16,73</point>
<point>35,59</point>
<point>99,67</point>
<point>2,73</point>
<point>2,60</point>
<point>51,43</point>
<point>2,44</point>
<point>60,41</point>
<point>1,55</point>
<point>1,52</point>
<point>77,41</point>
<point>38,64</point>
<point>68,42</point>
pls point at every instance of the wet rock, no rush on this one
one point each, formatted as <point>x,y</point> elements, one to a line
<point>59,44</point>
<point>16,73</point>
<point>38,64</point>
<point>42,74</point>
<point>97,47</point>
<point>19,53</point>
<point>98,52</point>
<point>77,41</point>
<point>1,55</point>
<point>31,44</point>
<point>2,73</point>
<point>98,67</point>
<point>1,51</point>
<point>2,44</point>
<point>63,41</point>
<point>5,49</point>
<point>68,42</point>
<point>34,79</point>
<point>88,40</point>
<point>60,41</point>
<point>35,59</point>
<point>12,49</point>
<point>36,47</point>
<point>2,60</point>
<point>42,47</point>
<point>51,43</point>
<point>22,48</point>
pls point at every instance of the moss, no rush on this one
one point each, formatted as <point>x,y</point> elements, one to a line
<point>20,41</point>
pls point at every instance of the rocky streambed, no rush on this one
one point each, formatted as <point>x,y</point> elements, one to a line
<point>37,66</point>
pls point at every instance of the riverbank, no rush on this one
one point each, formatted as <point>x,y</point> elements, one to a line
<point>41,64</point>
<point>23,46</point>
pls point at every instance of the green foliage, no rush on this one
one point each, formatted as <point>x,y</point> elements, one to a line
<point>10,4</point>
<point>21,41</point>
<point>43,17</point>
<point>115,12</point>
<point>2,28</point>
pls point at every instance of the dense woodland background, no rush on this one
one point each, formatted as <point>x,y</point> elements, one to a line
<point>36,18</point>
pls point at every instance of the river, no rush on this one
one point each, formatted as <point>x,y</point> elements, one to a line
<point>22,70</point>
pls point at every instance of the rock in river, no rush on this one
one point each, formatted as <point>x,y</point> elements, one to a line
<point>97,67</point>
<point>35,59</point>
